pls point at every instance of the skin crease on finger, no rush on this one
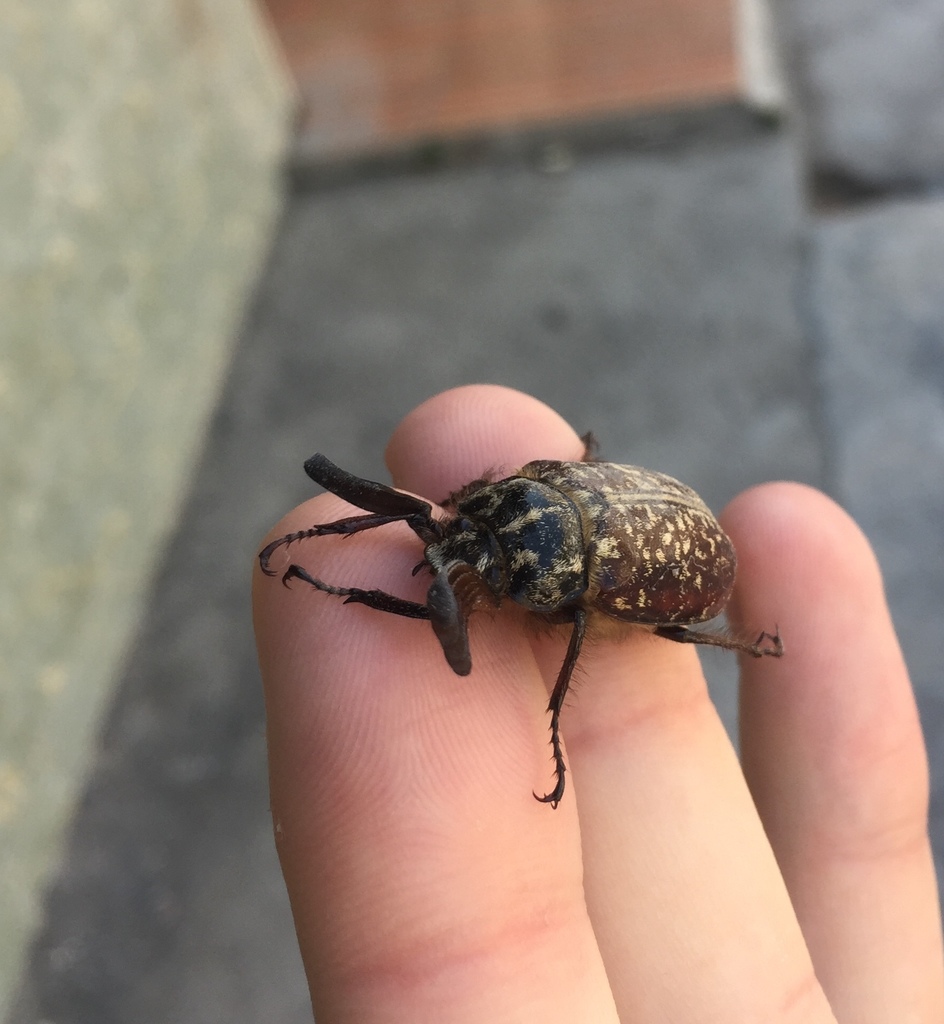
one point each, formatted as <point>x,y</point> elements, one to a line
<point>436,449</point>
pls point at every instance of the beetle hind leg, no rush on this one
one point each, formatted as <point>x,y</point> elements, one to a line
<point>556,703</point>
<point>768,644</point>
<point>380,600</point>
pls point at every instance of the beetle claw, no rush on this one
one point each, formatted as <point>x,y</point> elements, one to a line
<point>554,797</point>
<point>548,798</point>
<point>774,650</point>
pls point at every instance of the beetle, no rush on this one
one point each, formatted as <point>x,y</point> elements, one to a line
<point>579,543</point>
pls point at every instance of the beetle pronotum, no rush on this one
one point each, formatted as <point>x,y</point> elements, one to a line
<point>570,541</point>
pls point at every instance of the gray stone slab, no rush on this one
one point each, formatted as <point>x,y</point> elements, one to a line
<point>647,295</point>
<point>868,80</point>
<point>139,150</point>
<point>877,303</point>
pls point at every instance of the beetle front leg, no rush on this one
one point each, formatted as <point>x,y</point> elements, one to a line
<point>685,635</point>
<point>557,702</point>
<point>343,527</point>
<point>591,448</point>
<point>377,599</point>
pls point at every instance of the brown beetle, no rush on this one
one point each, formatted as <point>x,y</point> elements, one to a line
<point>573,542</point>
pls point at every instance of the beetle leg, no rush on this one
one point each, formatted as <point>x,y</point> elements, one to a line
<point>352,524</point>
<point>591,448</point>
<point>557,702</point>
<point>684,635</point>
<point>378,599</point>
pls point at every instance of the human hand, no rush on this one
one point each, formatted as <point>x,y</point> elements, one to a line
<point>428,885</point>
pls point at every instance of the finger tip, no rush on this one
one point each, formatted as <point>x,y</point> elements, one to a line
<point>802,531</point>
<point>456,435</point>
<point>806,568</point>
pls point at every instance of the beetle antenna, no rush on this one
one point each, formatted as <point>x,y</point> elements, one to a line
<point>366,494</point>
<point>456,591</point>
<point>449,622</point>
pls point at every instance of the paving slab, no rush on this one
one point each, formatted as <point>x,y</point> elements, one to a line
<point>867,80</point>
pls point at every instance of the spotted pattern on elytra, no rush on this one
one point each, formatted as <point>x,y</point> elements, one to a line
<point>654,552</point>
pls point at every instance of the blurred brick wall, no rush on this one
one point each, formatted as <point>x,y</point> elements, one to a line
<point>375,72</point>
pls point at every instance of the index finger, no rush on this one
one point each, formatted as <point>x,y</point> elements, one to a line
<point>425,880</point>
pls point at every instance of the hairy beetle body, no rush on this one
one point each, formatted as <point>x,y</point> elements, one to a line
<point>655,555</point>
<point>536,541</point>
<point>572,542</point>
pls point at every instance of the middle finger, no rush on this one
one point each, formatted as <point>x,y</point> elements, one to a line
<point>690,911</point>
